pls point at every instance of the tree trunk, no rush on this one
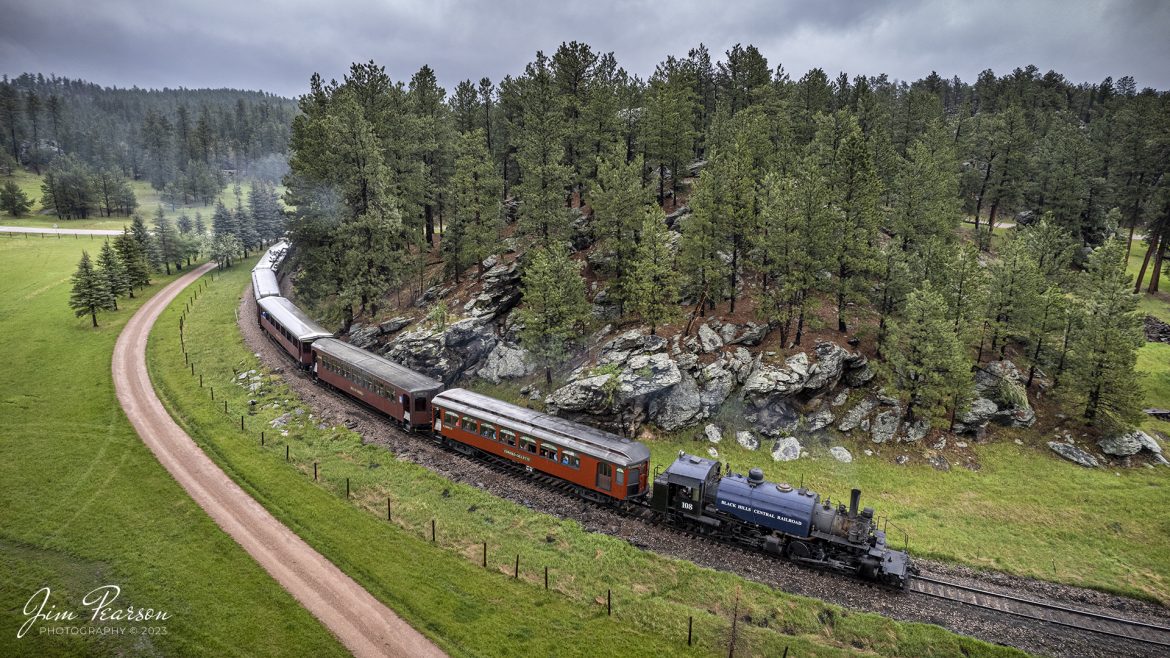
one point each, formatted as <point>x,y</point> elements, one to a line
<point>548,377</point>
<point>93,316</point>
<point>1156,275</point>
<point>734,272</point>
<point>1155,239</point>
<point>661,183</point>
<point>429,212</point>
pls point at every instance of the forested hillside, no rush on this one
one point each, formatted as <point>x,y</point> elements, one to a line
<point>90,141</point>
<point>882,211</point>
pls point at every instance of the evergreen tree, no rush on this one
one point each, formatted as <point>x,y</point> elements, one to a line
<point>68,188</point>
<point>200,227</point>
<point>13,200</point>
<point>474,232</point>
<point>184,224</point>
<point>926,202</point>
<point>925,360</point>
<point>1104,352</point>
<point>668,127</point>
<point>249,234</point>
<point>110,268</point>
<point>225,247</point>
<point>699,258</point>
<point>573,68</point>
<point>148,243</point>
<point>962,280</point>
<point>134,261</point>
<point>618,198</point>
<point>434,138</point>
<point>544,178</point>
<point>654,281</point>
<point>1015,283</point>
<point>90,292</point>
<point>169,250</point>
<point>555,308</point>
<point>223,222</point>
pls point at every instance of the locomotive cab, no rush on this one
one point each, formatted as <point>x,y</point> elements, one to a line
<point>683,487</point>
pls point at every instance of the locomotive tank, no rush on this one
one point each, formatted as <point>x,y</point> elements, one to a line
<point>771,505</point>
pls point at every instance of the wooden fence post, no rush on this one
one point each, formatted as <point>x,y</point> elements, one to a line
<point>314,471</point>
<point>432,530</point>
<point>690,629</point>
<point>609,602</point>
<point>516,573</point>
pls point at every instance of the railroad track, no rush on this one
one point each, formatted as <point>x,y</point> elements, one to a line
<point>1060,615</point>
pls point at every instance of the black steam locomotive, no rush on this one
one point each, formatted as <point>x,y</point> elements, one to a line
<point>778,519</point>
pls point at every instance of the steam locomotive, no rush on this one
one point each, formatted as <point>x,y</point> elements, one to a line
<point>691,494</point>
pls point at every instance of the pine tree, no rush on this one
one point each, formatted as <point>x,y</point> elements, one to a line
<point>474,232</point>
<point>1104,352</point>
<point>617,198</point>
<point>167,242</point>
<point>962,280</point>
<point>249,235</point>
<point>668,127</point>
<point>574,65</point>
<point>13,200</point>
<point>652,292</point>
<point>200,227</point>
<point>1015,283</point>
<point>147,242</point>
<point>134,261</point>
<point>111,270</point>
<point>555,308</point>
<point>90,292</point>
<point>926,203</point>
<point>544,179</point>
<point>925,361</point>
<point>184,224</point>
<point>699,258</point>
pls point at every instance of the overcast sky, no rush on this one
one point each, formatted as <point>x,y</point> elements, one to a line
<point>275,45</point>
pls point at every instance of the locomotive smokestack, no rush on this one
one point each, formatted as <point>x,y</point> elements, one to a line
<point>854,499</point>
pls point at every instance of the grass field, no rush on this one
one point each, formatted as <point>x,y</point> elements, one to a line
<point>85,504</point>
<point>441,587</point>
<point>148,203</point>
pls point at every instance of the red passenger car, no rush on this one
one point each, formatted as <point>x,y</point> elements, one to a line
<point>395,390</point>
<point>603,464</point>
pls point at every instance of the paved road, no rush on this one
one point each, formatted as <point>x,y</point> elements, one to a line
<point>59,231</point>
<point>363,624</point>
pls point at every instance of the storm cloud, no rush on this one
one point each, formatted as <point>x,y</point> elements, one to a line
<point>276,45</point>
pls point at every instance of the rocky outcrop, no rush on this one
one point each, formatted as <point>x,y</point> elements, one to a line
<point>708,339</point>
<point>500,292</point>
<point>1001,398</point>
<point>767,382</point>
<point>820,419</point>
<point>506,362</point>
<point>786,449</point>
<point>445,354</point>
<point>1156,330</point>
<point>681,407</point>
<point>363,336</point>
<point>915,431</point>
<point>1073,454</point>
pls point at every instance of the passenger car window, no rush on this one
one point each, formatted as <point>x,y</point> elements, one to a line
<point>469,423</point>
<point>528,444</point>
<point>451,419</point>
<point>548,451</point>
<point>487,431</point>
<point>508,437</point>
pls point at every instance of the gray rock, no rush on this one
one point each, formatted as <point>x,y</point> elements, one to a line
<point>713,433</point>
<point>708,339</point>
<point>827,370</point>
<point>768,381</point>
<point>1148,442</point>
<point>901,459</point>
<point>728,332</point>
<point>775,418</point>
<point>713,453</point>
<point>621,348</point>
<point>281,420</point>
<point>1073,454</point>
<point>885,425</point>
<point>1122,445</point>
<point>506,362</point>
<point>753,334</point>
<point>445,354</point>
<point>981,411</point>
<point>688,362</point>
<point>820,420</point>
<point>362,337</point>
<point>490,262</point>
<point>841,399</point>
<point>717,382</point>
<point>394,324</point>
<point>939,463</point>
<point>915,431</point>
<point>860,411</point>
<point>590,395</point>
<point>647,374</point>
<point>740,364</point>
<point>841,454</point>
<point>859,377</point>
<point>680,407</point>
<point>786,449</point>
<point>747,440</point>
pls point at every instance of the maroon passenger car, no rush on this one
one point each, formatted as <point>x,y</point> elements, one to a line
<point>290,328</point>
<point>605,465</point>
<point>395,390</point>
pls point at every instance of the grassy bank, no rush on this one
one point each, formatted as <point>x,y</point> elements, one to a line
<point>441,587</point>
<point>85,504</point>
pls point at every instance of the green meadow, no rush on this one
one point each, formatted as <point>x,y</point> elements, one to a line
<point>442,587</point>
<point>85,504</point>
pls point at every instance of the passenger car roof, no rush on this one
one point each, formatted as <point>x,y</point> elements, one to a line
<point>286,314</point>
<point>377,367</point>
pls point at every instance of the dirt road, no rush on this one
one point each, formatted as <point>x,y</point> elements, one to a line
<point>363,624</point>
<point>59,231</point>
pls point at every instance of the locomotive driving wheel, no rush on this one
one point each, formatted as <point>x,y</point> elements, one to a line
<point>799,550</point>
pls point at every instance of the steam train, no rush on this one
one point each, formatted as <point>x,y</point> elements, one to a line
<point>692,493</point>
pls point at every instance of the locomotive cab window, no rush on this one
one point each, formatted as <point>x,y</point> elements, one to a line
<point>548,451</point>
